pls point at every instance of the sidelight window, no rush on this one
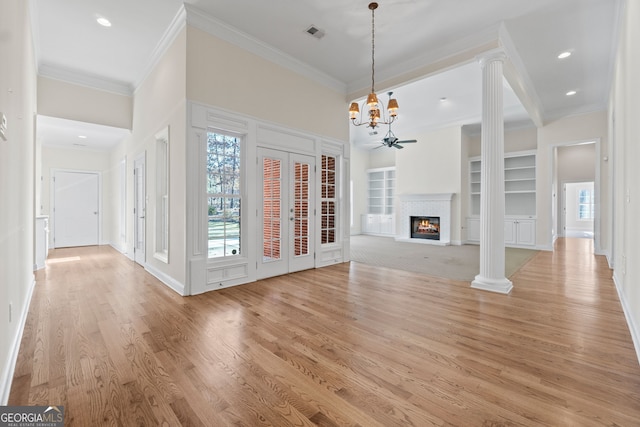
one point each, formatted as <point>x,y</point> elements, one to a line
<point>329,200</point>
<point>224,195</point>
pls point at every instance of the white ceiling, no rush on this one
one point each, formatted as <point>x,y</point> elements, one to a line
<point>409,34</point>
<point>62,133</point>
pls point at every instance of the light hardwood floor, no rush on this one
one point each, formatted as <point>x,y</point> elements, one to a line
<point>344,345</point>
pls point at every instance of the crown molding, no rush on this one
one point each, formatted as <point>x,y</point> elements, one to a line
<point>202,21</point>
<point>84,79</point>
<point>178,23</point>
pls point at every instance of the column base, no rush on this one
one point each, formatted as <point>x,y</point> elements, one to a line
<point>502,286</point>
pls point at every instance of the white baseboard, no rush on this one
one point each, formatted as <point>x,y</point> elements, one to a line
<point>633,328</point>
<point>7,371</point>
<point>166,279</point>
<point>118,248</point>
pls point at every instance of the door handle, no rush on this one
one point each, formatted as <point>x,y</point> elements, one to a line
<point>292,219</point>
<point>141,217</point>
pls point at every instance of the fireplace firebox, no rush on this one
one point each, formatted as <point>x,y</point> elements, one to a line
<point>425,227</point>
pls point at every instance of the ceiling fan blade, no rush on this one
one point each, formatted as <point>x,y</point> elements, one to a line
<point>408,141</point>
<point>380,146</point>
<point>400,147</point>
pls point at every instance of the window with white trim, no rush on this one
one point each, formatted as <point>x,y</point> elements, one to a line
<point>585,204</point>
<point>224,194</point>
<point>329,199</point>
<point>162,196</point>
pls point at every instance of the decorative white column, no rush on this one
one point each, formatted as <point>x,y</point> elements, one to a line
<point>492,263</point>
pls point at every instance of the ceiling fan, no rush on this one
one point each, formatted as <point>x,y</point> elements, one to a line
<point>390,139</point>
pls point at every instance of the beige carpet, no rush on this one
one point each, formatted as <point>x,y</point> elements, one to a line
<point>451,262</point>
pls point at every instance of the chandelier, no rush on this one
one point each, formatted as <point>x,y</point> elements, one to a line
<point>374,117</point>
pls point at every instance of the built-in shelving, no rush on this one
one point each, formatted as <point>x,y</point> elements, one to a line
<point>519,184</point>
<point>381,188</point>
<point>519,198</point>
<point>380,218</point>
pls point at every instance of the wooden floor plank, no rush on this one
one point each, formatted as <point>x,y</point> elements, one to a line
<point>346,345</point>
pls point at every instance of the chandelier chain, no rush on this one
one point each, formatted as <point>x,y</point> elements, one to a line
<point>373,49</point>
<point>372,107</point>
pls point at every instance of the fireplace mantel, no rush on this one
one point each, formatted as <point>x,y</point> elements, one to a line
<point>435,204</point>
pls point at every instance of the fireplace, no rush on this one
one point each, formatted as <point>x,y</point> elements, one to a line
<point>425,227</point>
<point>425,205</point>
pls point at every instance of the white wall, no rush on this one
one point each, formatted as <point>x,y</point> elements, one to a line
<point>577,163</point>
<point>17,159</point>
<point>359,165</point>
<point>222,75</point>
<point>433,165</point>
<point>384,157</point>
<point>158,102</point>
<point>73,102</point>
<point>514,140</point>
<point>624,155</point>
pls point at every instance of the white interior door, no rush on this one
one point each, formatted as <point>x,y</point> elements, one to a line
<point>76,209</point>
<point>286,212</point>
<point>140,209</point>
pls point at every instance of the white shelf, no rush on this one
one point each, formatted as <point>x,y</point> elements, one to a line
<point>380,218</point>
<point>519,181</point>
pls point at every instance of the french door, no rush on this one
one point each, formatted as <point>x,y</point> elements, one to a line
<point>286,209</point>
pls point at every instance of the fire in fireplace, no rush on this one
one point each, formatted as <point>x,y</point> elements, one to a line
<point>425,227</point>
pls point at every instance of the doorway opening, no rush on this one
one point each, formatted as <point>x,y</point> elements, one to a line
<point>574,163</point>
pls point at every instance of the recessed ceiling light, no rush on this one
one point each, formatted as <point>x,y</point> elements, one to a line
<point>564,55</point>
<point>103,21</point>
<point>82,136</point>
<point>571,93</point>
<point>443,99</point>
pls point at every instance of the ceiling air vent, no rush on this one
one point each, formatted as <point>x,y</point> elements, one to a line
<point>315,32</point>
